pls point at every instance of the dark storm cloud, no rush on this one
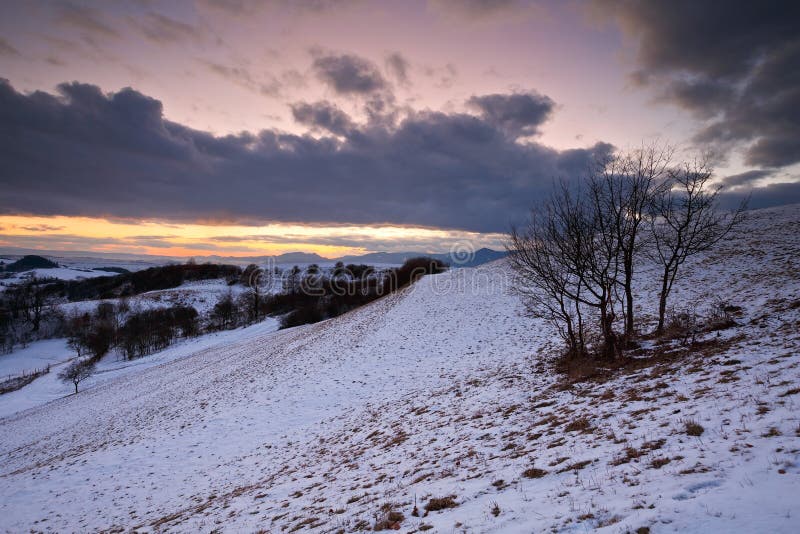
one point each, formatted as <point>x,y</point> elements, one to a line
<point>83,152</point>
<point>348,74</point>
<point>767,196</point>
<point>734,64</point>
<point>518,114</point>
<point>745,178</point>
<point>324,116</point>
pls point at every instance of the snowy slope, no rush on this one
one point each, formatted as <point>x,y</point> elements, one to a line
<point>56,353</point>
<point>443,389</point>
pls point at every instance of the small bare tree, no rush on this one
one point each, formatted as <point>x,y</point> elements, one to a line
<point>77,372</point>
<point>686,220</point>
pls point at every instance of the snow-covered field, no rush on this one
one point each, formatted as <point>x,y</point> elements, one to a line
<point>202,295</point>
<point>444,389</point>
<point>54,352</point>
<point>60,273</point>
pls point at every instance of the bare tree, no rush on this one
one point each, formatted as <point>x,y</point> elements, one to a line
<point>566,264</point>
<point>544,271</point>
<point>622,189</point>
<point>686,220</point>
<point>225,313</point>
<point>77,372</point>
<point>253,277</point>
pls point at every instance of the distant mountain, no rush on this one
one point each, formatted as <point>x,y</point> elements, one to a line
<point>27,263</point>
<point>382,257</point>
<point>136,261</point>
<point>481,256</point>
<point>299,257</point>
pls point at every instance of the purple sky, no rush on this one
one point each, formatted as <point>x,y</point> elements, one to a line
<point>437,115</point>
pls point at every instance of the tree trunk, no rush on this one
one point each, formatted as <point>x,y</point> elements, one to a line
<point>609,339</point>
<point>628,302</point>
<point>662,302</point>
<point>76,388</point>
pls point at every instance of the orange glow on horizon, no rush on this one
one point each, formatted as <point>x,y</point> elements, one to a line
<point>159,238</point>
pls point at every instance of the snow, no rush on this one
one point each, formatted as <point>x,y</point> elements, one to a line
<point>445,388</point>
<point>56,353</point>
<point>60,273</point>
<point>36,355</point>
<point>202,295</point>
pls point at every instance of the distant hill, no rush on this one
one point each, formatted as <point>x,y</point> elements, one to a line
<point>118,270</point>
<point>85,259</point>
<point>27,263</point>
<point>479,257</point>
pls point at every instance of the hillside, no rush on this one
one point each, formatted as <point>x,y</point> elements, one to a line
<point>28,263</point>
<point>443,389</point>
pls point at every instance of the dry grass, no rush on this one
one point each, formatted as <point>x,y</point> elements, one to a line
<point>577,466</point>
<point>692,428</point>
<point>441,503</point>
<point>534,472</point>
<point>580,424</point>
<point>658,463</point>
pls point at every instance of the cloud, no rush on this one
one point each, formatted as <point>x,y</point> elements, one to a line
<point>242,77</point>
<point>735,66</point>
<point>348,74</point>
<point>87,19</point>
<point>398,66</point>
<point>745,178</point>
<point>42,228</point>
<point>6,49</point>
<point>767,196</point>
<point>161,29</point>
<point>444,77</point>
<point>250,8</point>
<point>482,10</point>
<point>518,114</point>
<point>115,155</point>
<point>323,116</point>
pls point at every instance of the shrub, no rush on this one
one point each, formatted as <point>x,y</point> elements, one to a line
<point>534,472</point>
<point>440,503</point>
<point>578,425</point>
<point>693,428</point>
<point>411,271</point>
<point>304,315</point>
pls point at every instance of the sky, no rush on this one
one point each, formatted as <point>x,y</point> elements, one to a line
<point>241,128</point>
